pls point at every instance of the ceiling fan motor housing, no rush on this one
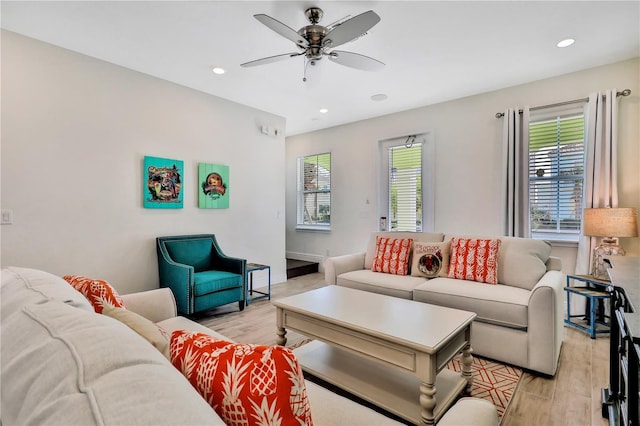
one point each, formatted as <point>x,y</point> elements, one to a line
<point>314,34</point>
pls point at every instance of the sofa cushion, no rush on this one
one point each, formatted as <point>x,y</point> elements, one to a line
<point>99,292</point>
<point>22,286</point>
<point>213,281</point>
<point>376,282</point>
<point>521,261</point>
<point>496,304</point>
<point>69,366</point>
<point>153,333</point>
<point>392,255</point>
<point>246,384</point>
<point>181,323</point>
<point>474,259</point>
<point>430,259</point>
<point>329,408</point>
<point>416,236</point>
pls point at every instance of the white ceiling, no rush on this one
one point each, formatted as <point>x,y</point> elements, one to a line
<point>434,50</point>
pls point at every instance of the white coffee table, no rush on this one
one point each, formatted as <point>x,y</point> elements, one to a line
<point>389,351</point>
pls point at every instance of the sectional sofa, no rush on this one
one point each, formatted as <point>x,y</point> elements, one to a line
<point>519,319</point>
<point>63,363</point>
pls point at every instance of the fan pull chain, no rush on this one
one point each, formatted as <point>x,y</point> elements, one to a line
<point>304,73</point>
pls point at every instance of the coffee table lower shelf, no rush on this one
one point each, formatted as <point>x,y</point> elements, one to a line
<point>387,387</point>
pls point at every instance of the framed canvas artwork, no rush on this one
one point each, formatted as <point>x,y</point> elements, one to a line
<point>162,186</point>
<point>214,186</point>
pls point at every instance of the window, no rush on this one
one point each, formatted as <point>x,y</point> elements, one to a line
<point>407,184</point>
<point>314,191</point>
<point>556,174</point>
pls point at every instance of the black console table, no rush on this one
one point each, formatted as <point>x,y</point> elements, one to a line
<point>620,401</point>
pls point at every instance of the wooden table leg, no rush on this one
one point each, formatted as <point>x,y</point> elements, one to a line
<point>427,402</point>
<point>282,339</point>
<point>281,331</point>
<point>467,360</point>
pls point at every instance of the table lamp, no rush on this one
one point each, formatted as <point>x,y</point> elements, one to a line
<point>611,224</point>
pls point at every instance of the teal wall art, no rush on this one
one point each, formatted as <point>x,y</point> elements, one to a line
<point>214,186</point>
<point>163,183</point>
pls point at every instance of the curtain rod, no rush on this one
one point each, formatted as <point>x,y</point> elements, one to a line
<point>625,92</point>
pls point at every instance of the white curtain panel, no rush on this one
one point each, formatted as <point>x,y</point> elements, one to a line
<point>601,168</point>
<point>515,183</point>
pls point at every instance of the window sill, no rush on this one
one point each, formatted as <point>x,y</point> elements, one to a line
<point>558,242</point>
<point>314,228</point>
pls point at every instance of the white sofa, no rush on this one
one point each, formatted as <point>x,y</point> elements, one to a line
<point>519,321</point>
<point>61,363</point>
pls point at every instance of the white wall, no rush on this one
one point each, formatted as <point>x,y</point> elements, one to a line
<point>467,148</point>
<point>74,134</point>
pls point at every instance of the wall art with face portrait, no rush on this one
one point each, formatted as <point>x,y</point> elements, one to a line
<point>214,186</point>
<point>162,183</point>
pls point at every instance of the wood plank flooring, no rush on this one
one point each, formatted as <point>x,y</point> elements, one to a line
<point>571,397</point>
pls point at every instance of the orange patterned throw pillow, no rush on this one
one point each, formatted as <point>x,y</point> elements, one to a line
<point>392,255</point>
<point>474,260</point>
<point>98,292</point>
<point>245,384</point>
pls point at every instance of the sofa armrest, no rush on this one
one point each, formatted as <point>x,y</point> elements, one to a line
<point>554,264</point>
<point>155,305</point>
<point>545,322</point>
<point>337,265</point>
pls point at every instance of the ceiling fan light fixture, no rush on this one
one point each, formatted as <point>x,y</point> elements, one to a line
<point>379,97</point>
<point>566,42</point>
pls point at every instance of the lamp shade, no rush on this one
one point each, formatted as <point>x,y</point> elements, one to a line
<point>610,222</point>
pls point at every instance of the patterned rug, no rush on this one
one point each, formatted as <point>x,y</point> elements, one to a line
<point>492,380</point>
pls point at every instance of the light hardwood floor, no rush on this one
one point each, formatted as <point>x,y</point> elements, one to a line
<point>571,397</point>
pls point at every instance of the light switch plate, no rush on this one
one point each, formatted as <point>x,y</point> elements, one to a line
<point>6,218</point>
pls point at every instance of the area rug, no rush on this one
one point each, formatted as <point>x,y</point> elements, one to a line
<point>492,380</point>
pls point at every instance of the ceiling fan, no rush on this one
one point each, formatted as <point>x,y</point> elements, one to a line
<point>315,41</point>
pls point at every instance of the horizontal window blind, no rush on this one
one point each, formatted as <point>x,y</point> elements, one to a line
<point>556,176</point>
<point>314,190</point>
<point>405,187</point>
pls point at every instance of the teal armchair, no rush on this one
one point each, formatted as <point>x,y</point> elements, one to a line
<point>199,274</point>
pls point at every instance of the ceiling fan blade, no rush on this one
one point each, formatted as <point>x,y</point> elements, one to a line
<point>270,59</point>
<point>282,29</point>
<point>351,28</point>
<point>355,60</point>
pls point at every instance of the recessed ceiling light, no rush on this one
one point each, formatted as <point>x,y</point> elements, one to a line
<point>379,97</point>
<point>323,110</point>
<point>217,70</point>
<point>566,42</point>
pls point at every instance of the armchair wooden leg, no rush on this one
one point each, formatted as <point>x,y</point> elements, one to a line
<point>241,305</point>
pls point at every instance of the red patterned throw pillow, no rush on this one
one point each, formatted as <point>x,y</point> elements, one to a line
<point>98,292</point>
<point>392,255</point>
<point>474,260</point>
<point>245,384</point>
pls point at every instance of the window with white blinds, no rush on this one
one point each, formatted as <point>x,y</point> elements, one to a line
<point>407,183</point>
<point>314,191</point>
<point>556,174</point>
<point>405,187</point>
